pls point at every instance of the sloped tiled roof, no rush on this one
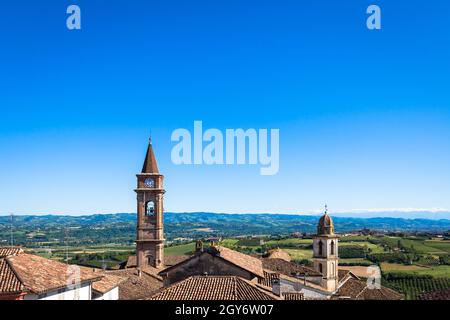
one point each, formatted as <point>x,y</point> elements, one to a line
<point>131,262</point>
<point>436,295</point>
<point>173,260</point>
<point>9,282</point>
<point>213,288</point>
<point>40,275</point>
<point>287,268</point>
<point>279,254</point>
<point>10,251</point>
<point>242,260</point>
<point>358,290</point>
<point>107,283</point>
<point>343,274</point>
<point>135,286</point>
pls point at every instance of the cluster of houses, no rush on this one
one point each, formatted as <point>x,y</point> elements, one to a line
<point>25,276</point>
<point>212,272</point>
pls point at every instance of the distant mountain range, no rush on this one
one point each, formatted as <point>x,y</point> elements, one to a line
<point>121,227</point>
<point>403,214</point>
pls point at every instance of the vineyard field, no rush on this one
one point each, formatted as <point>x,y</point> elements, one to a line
<point>413,287</point>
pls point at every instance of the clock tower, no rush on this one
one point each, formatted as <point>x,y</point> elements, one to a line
<point>150,235</point>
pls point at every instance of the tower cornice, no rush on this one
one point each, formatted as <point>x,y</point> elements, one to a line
<point>142,190</point>
<point>149,175</point>
<point>327,236</point>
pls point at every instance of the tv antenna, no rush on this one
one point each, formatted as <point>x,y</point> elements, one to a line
<point>12,231</point>
<point>67,247</point>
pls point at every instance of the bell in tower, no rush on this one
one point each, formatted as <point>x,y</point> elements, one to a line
<point>150,223</point>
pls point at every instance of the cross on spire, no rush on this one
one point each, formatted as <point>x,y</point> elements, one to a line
<point>326,209</point>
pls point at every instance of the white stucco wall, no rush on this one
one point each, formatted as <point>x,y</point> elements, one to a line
<point>298,287</point>
<point>77,293</point>
<point>110,295</point>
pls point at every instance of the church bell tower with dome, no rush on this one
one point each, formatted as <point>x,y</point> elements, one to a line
<point>325,252</point>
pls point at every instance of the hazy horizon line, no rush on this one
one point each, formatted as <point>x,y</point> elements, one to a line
<point>407,213</point>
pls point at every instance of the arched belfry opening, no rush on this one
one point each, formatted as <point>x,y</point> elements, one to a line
<point>149,208</point>
<point>332,247</point>
<point>320,247</point>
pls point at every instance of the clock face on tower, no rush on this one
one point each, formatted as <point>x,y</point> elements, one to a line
<point>149,183</point>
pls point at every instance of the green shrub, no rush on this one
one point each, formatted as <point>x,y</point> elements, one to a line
<point>350,252</point>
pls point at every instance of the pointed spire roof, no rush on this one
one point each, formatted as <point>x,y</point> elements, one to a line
<point>150,165</point>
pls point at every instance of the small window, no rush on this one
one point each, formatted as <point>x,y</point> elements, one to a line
<point>332,247</point>
<point>320,268</point>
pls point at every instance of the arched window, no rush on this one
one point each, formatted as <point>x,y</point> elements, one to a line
<point>332,269</point>
<point>320,248</point>
<point>332,247</point>
<point>150,208</point>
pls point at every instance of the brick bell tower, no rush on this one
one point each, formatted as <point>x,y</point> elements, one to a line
<point>150,235</point>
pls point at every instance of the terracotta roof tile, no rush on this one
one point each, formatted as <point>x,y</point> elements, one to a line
<point>279,254</point>
<point>131,262</point>
<point>358,290</point>
<point>351,288</point>
<point>241,260</point>
<point>136,287</point>
<point>213,288</point>
<point>9,282</point>
<point>287,268</point>
<point>254,265</point>
<point>107,283</point>
<point>41,275</point>
<point>343,274</point>
<point>10,251</point>
<point>173,260</point>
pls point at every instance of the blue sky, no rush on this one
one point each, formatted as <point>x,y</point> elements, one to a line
<point>364,116</point>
